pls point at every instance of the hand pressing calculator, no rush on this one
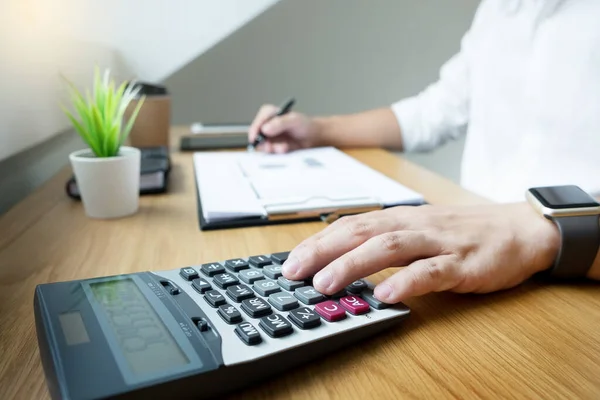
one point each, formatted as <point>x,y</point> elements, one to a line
<point>195,332</point>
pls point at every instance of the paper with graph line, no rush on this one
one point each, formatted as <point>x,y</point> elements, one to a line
<point>233,185</point>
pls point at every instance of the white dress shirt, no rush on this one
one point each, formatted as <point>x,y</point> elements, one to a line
<point>525,88</point>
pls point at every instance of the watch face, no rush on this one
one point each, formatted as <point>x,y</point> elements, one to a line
<point>569,196</point>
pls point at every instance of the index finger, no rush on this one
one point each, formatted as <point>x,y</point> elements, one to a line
<point>263,115</point>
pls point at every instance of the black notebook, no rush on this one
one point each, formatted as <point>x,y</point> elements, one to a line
<point>154,172</point>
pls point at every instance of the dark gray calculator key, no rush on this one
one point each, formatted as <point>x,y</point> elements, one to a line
<point>201,285</point>
<point>275,325</point>
<point>188,273</point>
<point>236,264</point>
<point>283,301</point>
<point>214,298</point>
<point>266,287</point>
<point>308,295</point>
<point>305,318</point>
<point>280,257</point>
<point>259,261</point>
<point>338,295</point>
<point>250,276</point>
<point>239,293</point>
<point>272,271</point>
<point>357,286</point>
<point>256,307</point>
<point>368,296</point>
<point>212,269</point>
<point>225,279</point>
<point>230,314</point>
<point>248,333</point>
<point>288,284</point>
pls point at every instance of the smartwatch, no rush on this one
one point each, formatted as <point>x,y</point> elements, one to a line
<point>576,214</point>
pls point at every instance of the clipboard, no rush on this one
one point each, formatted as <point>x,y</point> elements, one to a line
<point>220,170</point>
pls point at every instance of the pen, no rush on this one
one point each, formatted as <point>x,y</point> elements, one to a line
<point>284,109</point>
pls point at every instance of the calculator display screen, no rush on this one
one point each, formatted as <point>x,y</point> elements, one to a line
<point>145,342</point>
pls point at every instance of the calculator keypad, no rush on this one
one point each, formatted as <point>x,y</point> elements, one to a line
<point>288,284</point>
<point>215,298</point>
<point>250,276</point>
<point>236,264</point>
<point>283,301</point>
<point>256,307</point>
<point>212,269</point>
<point>266,287</point>
<point>275,325</point>
<point>201,285</point>
<point>188,273</point>
<point>225,280</point>
<point>230,314</point>
<point>248,333</point>
<point>258,291</point>
<point>355,305</point>
<point>259,261</point>
<point>305,318</point>
<point>239,292</point>
<point>330,310</point>
<point>308,295</point>
<point>273,271</point>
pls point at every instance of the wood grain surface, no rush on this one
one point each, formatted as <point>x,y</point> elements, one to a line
<point>534,341</point>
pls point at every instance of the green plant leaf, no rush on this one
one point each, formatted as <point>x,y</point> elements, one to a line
<point>132,119</point>
<point>99,114</point>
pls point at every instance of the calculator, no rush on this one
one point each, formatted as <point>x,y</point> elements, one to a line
<point>198,332</point>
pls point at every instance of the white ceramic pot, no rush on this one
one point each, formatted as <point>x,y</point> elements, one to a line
<point>109,187</point>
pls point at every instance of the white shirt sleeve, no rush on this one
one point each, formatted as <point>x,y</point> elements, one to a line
<point>441,111</point>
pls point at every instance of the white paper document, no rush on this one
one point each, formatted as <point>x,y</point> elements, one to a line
<point>233,185</point>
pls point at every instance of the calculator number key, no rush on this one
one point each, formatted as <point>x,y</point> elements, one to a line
<point>356,286</point>
<point>288,284</point>
<point>239,293</point>
<point>330,310</point>
<point>355,305</point>
<point>283,301</point>
<point>250,276</point>
<point>266,287</point>
<point>248,333</point>
<point>273,271</point>
<point>230,314</point>
<point>214,298</point>
<point>212,269</point>
<point>275,325</point>
<point>225,280</point>
<point>256,307</point>
<point>304,318</point>
<point>308,295</point>
<point>236,264</point>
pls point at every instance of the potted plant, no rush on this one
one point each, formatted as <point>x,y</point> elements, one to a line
<point>107,172</point>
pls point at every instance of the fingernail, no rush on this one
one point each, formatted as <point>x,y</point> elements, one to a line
<point>322,280</point>
<point>383,292</point>
<point>290,267</point>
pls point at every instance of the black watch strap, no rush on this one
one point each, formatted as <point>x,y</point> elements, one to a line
<point>580,237</point>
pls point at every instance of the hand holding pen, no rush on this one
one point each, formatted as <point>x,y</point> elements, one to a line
<point>278,130</point>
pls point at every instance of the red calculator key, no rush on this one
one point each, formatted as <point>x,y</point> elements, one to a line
<point>330,310</point>
<point>355,305</point>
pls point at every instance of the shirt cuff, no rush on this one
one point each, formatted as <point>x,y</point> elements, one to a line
<point>407,115</point>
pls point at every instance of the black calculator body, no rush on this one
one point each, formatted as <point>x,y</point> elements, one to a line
<point>195,332</point>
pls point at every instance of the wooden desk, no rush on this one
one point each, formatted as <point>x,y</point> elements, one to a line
<point>534,341</point>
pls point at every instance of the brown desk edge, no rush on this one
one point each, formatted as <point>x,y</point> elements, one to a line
<point>534,341</point>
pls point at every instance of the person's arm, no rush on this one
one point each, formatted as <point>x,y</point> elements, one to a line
<point>373,128</point>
